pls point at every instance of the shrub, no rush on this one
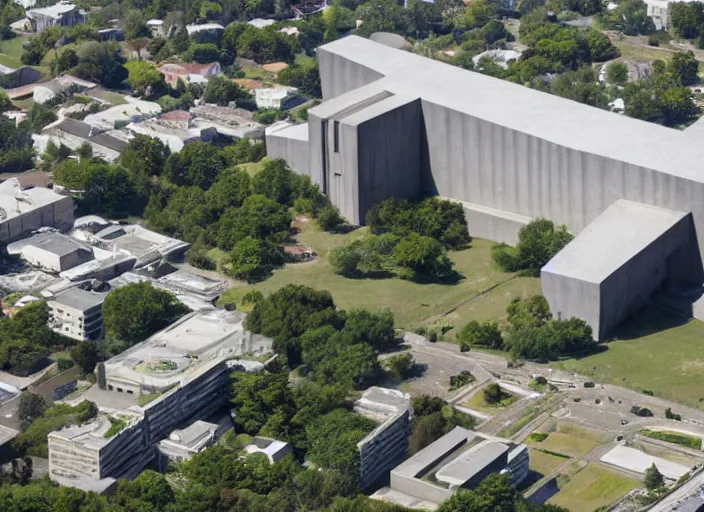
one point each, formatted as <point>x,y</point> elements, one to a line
<point>493,394</point>
<point>671,415</point>
<point>538,436</point>
<point>643,412</point>
<point>252,297</point>
<point>329,218</point>
<point>63,364</point>
<point>462,379</point>
<point>485,334</point>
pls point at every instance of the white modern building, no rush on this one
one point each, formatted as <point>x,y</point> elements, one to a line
<point>183,443</point>
<point>77,314</point>
<point>274,449</point>
<point>279,97</point>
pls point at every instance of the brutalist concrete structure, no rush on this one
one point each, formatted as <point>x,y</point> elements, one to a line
<point>398,124</point>
<point>386,445</point>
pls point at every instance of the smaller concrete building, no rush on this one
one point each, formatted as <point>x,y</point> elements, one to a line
<point>183,443</point>
<point>279,97</point>
<point>24,211</point>
<point>261,22</point>
<point>11,77</point>
<point>387,444</point>
<point>274,449</point>
<point>459,459</point>
<point>231,122</point>
<point>51,251</point>
<point>78,314</point>
<point>63,13</point>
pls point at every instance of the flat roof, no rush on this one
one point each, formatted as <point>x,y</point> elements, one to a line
<point>552,118</point>
<point>638,461</point>
<point>79,299</point>
<point>53,242</point>
<point>621,232</point>
<point>15,202</point>
<point>381,403</point>
<point>470,463</point>
<point>211,336</point>
<point>434,452</point>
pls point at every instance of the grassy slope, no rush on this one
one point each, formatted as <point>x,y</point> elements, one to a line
<point>478,403</point>
<point>593,487</point>
<point>544,463</point>
<point>570,440</point>
<point>412,304</point>
<point>655,351</point>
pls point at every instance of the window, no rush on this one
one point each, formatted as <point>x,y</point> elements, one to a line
<point>336,136</point>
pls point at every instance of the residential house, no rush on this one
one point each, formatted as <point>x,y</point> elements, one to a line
<point>73,134</point>
<point>187,73</point>
<point>63,13</point>
<point>58,88</point>
<point>156,27</point>
<point>120,116</point>
<point>204,28</point>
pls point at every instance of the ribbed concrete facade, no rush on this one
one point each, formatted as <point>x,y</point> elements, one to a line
<point>508,153</point>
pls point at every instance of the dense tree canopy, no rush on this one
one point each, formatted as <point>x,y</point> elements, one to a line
<point>25,338</point>
<point>136,311</point>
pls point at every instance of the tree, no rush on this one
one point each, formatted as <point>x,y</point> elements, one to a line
<point>85,151</point>
<point>133,25</point>
<point>66,59</point>
<point>32,406</point>
<point>102,63</point>
<point>617,73</point>
<point>15,146</point>
<point>303,74</point>
<point>479,13</point>
<point>144,157</point>
<point>494,494</point>
<point>600,47</point>
<point>277,182</point>
<point>683,66</point>
<point>86,356</point>
<point>258,217</point>
<point>629,17</point>
<point>289,312</point>
<point>423,257</point>
<point>197,164</point>
<point>222,91</point>
<point>346,259</point>
<point>136,311</point>
<point>332,440</point>
<point>144,78</point>
<point>653,479</point>
<point>485,334</point>
<point>251,259</point>
<point>108,191</point>
<point>687,19</point>
<point>230,190</point>
<point>329,218</point>
<point>493,394</point>
<point>203,53</point>
<point>538,242</point>
<point>381,16</point>
<point>258,396</point>
<point>677,105</point>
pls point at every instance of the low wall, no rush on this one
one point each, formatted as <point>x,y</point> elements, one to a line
<point>57,387</point>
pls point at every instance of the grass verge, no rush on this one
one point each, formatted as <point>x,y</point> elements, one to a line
<point>685,440</point>
<point>593,487</point>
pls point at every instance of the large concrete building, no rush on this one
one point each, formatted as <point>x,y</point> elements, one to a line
<point>396,124</point>
<point>185,368</point>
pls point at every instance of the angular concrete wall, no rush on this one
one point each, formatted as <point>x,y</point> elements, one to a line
<point>291,144</point>
<point>338,76</point>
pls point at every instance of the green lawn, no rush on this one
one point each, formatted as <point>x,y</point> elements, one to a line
<point>253,168</point>
<point>593,487</point>
<point>255,73</point>
<point>675,437</point>
<point>568,439</point>
<point>413,304</point>
<point>11,50</point>
<point>478,403</point>
<point>655,350</point>
<point>544,463</point>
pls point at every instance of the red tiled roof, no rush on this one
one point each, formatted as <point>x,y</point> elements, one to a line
<point>176,115</point>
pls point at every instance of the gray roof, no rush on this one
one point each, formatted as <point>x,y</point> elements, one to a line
<point>391,40</point>
<point>470,463</point>
<point>432,453</point>
<point>83,130</point>
<point>552,118</point>
<point>622,231</point>
<point>55,243</point>
<point>79,299</point>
